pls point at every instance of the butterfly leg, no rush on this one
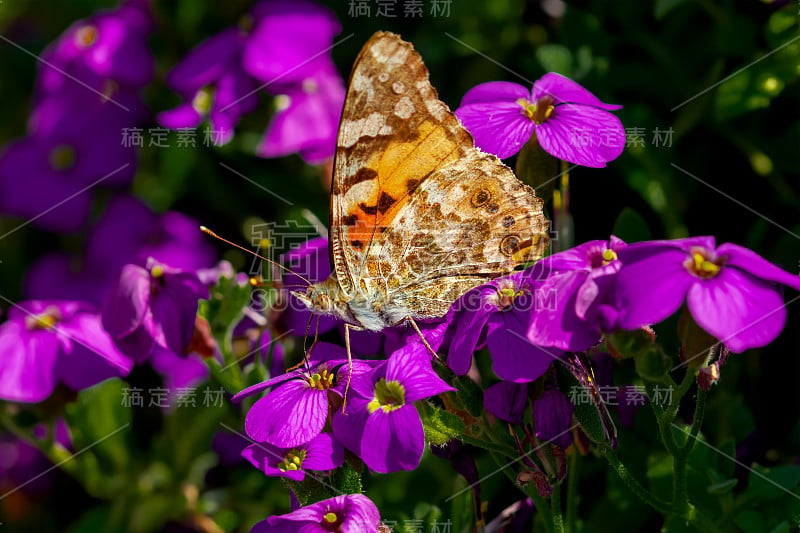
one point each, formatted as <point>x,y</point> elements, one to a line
<point>347,328</point>
<point>414,325</point>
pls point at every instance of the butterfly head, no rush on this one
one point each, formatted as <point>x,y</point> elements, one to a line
<point>324,298</point>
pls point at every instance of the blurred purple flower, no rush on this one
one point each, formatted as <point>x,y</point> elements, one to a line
<point>577,291</point>
<point>497,314</point>
<point>306,119</point>
<point>296,410</point>
<point>569,122</point>
<point>108,46</point>
<point>381,424</point>
<point>74,144</point>
<point>127,232</point>
<point>46,342</point>
<point>23,466</point>
<point>731,292</point>
<point>289,42</point>
<point>322,453</point>
<point>213,84</point>
<point>350,513</point>
<point>152,309</point>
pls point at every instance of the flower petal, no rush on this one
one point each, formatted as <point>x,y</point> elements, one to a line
<point>393,441</point>
<point>28,363</point>
<point>582,135</point>
<point>507,401</point>
<point>413,370</point>
<point>495,91</point>
<point>564,90</point>
<point>740,310</point>
<point>650,286</point>
<point>514,357</point>
<point>290,415</point>
<point>323,453</point>
<point>751,262</point>
<point>499,128</point>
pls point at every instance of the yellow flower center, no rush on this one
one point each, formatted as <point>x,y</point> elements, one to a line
<point>46,320</point>
<point>202,100</point>
<point>86,36</point>
<point>282,102</point>
<point>609,256</point>
<point>389,396</point>
<point>322,380</point>
<point>293,460</point>
<point>157,271</point>
<point>62,157</point>
<point>703,264</point>
<point>331,521</point>
<point>538,111</point>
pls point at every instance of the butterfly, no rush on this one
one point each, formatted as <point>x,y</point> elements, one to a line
<point>418,215</point>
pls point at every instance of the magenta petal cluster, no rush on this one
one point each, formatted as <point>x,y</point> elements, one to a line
<point>569,122</point>
<point>153,309</point>
<point>380,423</point>
<point>322,453</point>
<point>731,292</point>
<point>47,342</point>
<point>296,409</point>
<point>350,513</point>
<point>575,296</point>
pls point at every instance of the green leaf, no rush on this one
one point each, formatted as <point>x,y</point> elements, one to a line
<point>100,423</point>
<point>555,58</point>
<point>718,489</point>
<point>662,7</point>
<point>440,426</point>
<point>751,521</point>
<point>630,226</point>
<point>766,484</point>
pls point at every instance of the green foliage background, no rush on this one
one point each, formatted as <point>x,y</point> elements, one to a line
<point>722,76</point>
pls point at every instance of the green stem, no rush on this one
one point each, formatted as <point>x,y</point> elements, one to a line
<point>624,474</point>
<point>506,451</point>
<point>555,509</point>
<point>572,492</point>
<point>542,507</point>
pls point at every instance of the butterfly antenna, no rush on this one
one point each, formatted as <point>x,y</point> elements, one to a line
<point>242,248</point>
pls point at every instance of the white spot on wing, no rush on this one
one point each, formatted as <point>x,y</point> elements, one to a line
<point>370,126</point>
<point>404,107</point>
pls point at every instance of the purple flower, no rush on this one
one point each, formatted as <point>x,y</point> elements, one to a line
<point>731,292</point>
<point>322,453</point>
<point>24,466</point>
<point>497,314</point>
<point>381,424</point>
<point>297,408</point>
<point>289,42</point>
<point>306,119</point>
<point>350,513</point>
<point>73,146</point>
<point>108,46</point>
<point>569,122</point>
<point>47,342</point>
<point>576,296</point>
<point>507,401</point>
<point>213,84</point>
<point>152,310</point>
<point>127,232</point>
